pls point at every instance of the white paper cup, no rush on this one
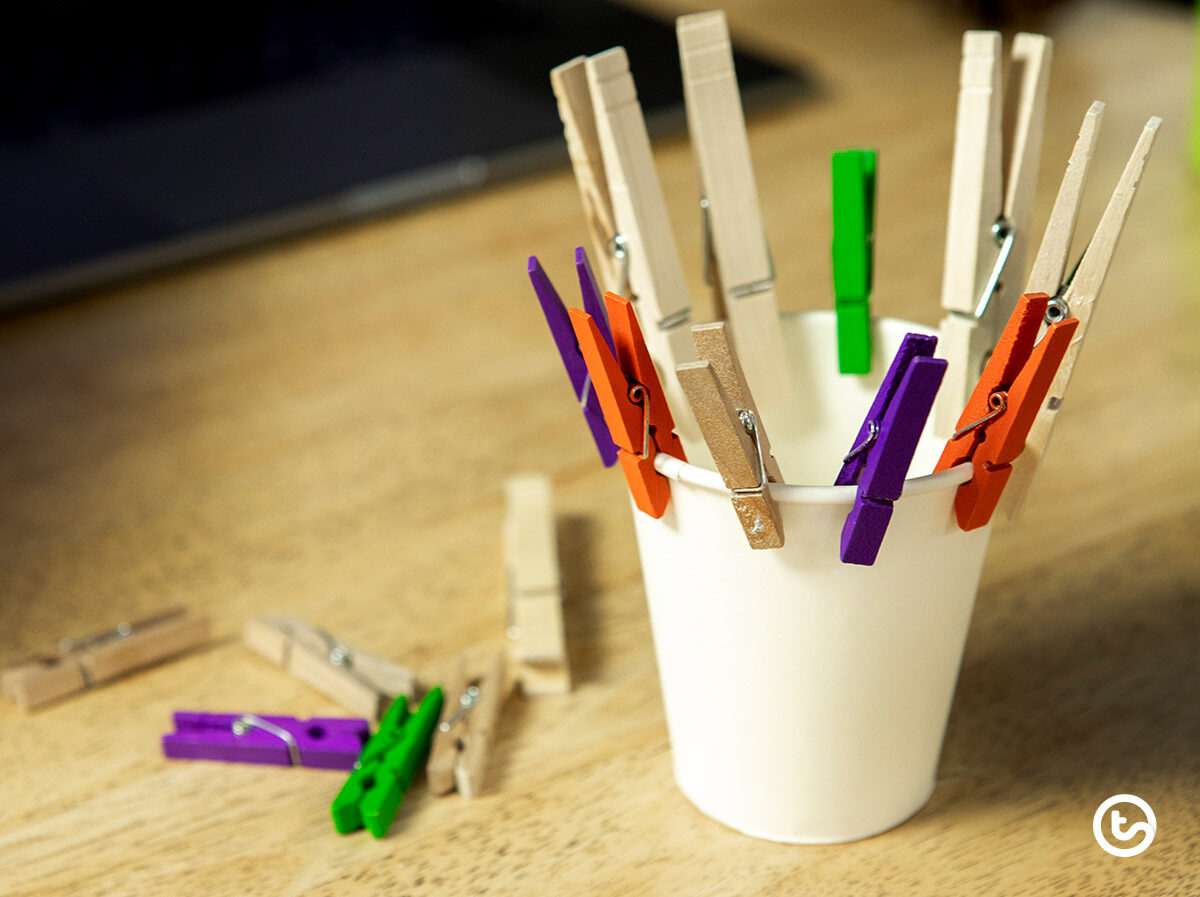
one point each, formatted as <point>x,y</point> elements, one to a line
<point>807,699</point>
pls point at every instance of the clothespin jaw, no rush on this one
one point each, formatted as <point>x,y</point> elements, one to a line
<point>277,740</point>
<point>886,443</point>
<point>568,346</point>
<point>477,686</point>
<point>386,767</point>
<point>632,399</point>
<point>853,254</point>
<point>1002,408</point>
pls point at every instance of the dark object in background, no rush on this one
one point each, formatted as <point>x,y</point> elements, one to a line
<point>131,141</point>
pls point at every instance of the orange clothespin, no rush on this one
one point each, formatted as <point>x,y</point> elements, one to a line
<point>631,397</point>
<point>992,428</point>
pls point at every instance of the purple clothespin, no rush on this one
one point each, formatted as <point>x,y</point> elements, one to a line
<point>568,346</point>
<point>884,449</point>
<point>278,740</point>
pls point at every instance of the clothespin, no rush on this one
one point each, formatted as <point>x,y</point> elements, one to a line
<point>568,345</point>
<point>386,767</point>
<point>853,256</point>
<point>82,663</point>
<point>476,689</point>
<point>656,282</point>
<point>992,428</point>
<point>360,682</point>
<point>991,209</point>
<point>729,420</point>
<point>535,612</point>
<point>1078,297</point>
<point>570,85</point>
<point>319,743</point>
<point>884,448</point>
<point>632,399</point>
<point>737,257</point>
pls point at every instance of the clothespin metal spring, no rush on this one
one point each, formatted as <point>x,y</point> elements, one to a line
<point>750,424</point>
<point>248,721</point>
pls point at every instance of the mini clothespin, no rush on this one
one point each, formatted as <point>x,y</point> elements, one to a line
<point>535,612</point>
<point>991,210</point>
<point>319,743</point>
<point>632,399</point>
<point>568,346</point>
<point>570,84</point>
<point>734,432</point>
<point>656,283</point>
<point>853,256</point>
<point>82,663</point>
<point>360,682</point>
<point>886,442</point>
<point>992,428</point>
<point>386,767</point>
<point>1078,297</point>
<point>737,257</point>
<point>458,756</point>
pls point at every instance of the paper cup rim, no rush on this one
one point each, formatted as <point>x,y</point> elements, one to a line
<point>683,472</point>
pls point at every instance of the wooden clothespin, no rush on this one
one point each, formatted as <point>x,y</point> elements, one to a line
<point>82,663</point>
<point>320,743</point>
<point>570,84</point>
<point>1078,297</point>
<point>992,428</point>
<point>737,257</point>
<point>385,769</point>
<point>884,448</point>
<point>853,253</point>
<point>633,401</point>
<point>476,688</point>
<point>362,683</point>
<point>535,613</point>
<point>656,283</point>
<point>991,207</point>
<point>735,434</point>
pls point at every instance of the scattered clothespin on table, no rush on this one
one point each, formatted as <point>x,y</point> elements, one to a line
<point>853,255</point>
<point>319,743</point>
<point>387,766</point>
<point>993,426</point>
<point>534,576</point>
<point>734,432</point>
<point>737,257</point>
<point>360,682</point>
<point>568,346</point>
<point>991,210</point>
<point>82,663</point>
<point>656,283</point>
<point>1078,297</point>
<point>886,442</point>
<point>476,689</point>
<point>633,401</point>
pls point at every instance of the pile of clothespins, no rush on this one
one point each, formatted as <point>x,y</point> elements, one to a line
<point>1008,342</point>
<point>449,733</point>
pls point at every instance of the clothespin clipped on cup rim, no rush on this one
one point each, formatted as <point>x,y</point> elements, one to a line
<point>883,449</point>
<point>993,425</point>
<point>991,210</point>
<point>853,249</point>
<point>319,743</point>
<point>82,663</point>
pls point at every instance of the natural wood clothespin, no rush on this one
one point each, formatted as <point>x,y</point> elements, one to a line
<point>476,687</point>
<point>362,683</point>
<point>736,251</point>
<point>82,663</point>
<point>736,437</point>
<point>535,615</point>
<point>997,147</point>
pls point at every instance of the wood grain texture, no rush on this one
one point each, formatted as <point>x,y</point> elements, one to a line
<point>323,428</point>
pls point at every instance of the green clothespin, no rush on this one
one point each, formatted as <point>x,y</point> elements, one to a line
<point>853,251</point>
<point>387,766</point>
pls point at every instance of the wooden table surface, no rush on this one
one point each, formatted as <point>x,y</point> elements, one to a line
<point>323,427</point>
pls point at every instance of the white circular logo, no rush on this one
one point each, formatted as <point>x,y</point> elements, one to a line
<point>1120,827</point>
